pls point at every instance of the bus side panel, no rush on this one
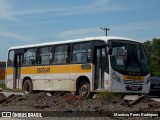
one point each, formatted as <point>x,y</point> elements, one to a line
<point>64,85</point>
<point>55,82</point>
<point>9,77</point>
<point>56,77</point>
<point>77,70</point>
<point>50,78</point>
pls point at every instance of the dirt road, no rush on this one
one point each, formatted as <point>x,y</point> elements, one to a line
<point>68,103</point>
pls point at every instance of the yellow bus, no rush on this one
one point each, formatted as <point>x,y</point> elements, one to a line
<point>83,66</point>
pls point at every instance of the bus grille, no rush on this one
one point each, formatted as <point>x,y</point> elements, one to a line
<point>133,81</point>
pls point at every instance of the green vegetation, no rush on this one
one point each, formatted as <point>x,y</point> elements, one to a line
<point>153,53</point>
<point>16,90</point>
<point>114,97</point>
<point>2,85</point>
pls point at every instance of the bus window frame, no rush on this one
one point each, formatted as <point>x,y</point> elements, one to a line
<point>37,55</point>
<point>68,53</point>
<point>82,42</point>
<point>23,57</point>
<point>9,58</point>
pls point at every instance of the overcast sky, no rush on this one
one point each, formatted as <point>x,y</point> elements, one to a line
<point>36,21</point>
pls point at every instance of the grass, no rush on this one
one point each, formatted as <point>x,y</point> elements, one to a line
<point>2,85</point>
<point>114,97</point>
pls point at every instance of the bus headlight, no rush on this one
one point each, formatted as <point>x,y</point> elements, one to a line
<point>114,76</point>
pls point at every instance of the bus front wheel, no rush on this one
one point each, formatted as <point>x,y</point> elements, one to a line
<point>27,87</point>
<point>84,90</point>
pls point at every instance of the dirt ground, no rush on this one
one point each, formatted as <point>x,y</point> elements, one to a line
<point>70,103</point>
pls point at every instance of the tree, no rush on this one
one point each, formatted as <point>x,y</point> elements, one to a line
<point>153,54</point>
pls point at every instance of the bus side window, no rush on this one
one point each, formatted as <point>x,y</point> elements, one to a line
<point>86,50</point>
<point>74,57</point>
<point>61,54</point>
<point>81,53</point>
<point>32,61</point>
<point>29,56</point>
<point>44,55</point>
<point>11,59</point>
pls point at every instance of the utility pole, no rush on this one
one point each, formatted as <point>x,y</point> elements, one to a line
<point>105,29</point>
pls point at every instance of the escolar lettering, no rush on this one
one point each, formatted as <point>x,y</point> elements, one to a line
<point>43,70</point>
<point>133,77</point>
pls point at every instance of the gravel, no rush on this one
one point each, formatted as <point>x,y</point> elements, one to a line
<point>66,102</point>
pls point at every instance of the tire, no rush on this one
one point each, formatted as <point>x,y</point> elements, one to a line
<point>84,90</point>
<point>27,87</point>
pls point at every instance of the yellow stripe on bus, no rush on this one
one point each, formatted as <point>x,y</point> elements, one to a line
<point>52,69</point>
<point>9,70</point>
<point>78,69</point>
<point>128,77</point>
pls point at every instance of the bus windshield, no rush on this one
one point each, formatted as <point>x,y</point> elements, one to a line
<point>128,57</point>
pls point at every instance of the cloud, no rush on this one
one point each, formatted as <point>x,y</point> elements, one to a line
<point>8,13</point>
<point>126,30</point>
<point>13,36</point>
<point>78,33</point>
<point>5,11</point>
<point>95,7</point>
<point>138,30</point>
<point>39,11</point>
<point>99,6</point>
<point>145,25</point>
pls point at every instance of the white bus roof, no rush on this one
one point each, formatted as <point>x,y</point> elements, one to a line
<point>104,38</point>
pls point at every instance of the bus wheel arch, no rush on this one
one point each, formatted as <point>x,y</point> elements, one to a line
<point>27,85</point>
<point>83,87</point>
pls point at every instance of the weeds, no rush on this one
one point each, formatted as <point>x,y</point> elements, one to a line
<point>113,97</point>
<point>2,85</point>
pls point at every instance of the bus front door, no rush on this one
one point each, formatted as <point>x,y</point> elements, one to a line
<point>100,68</point>
<point>17,67</point>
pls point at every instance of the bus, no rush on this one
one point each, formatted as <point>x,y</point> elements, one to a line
<point>82,66</point>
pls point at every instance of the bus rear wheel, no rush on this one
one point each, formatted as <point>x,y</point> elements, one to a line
<point>84,90</point>
<point>27,87</point>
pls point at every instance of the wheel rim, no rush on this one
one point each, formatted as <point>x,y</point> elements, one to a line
<point>84,90</point>
<point>27,88</point>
